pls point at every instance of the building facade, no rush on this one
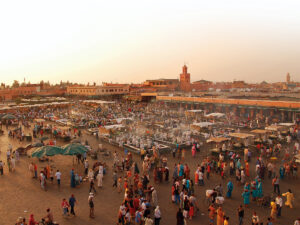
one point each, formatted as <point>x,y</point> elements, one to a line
<point>12,93</point>
<point>97,90</point>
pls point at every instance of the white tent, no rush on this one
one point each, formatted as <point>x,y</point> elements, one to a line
<point>218,115</point>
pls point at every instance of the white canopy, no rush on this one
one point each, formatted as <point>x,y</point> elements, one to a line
<point>274,128</point>
<point>203,124</point>
<point>219,115</point>
<point>119,120</point>
<point>115,126</point>
<point>98,101</point>
<point>195,110</point>
<point>286,124</point>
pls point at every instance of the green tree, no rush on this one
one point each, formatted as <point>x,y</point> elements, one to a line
<point>16,84</point>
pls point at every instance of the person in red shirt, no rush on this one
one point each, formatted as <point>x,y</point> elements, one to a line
<point>32,221</point>
<point>136,203</point>
<point>207,171</point>
<point>65,206</point>
<point>35,171</point>
<point>212,214</point>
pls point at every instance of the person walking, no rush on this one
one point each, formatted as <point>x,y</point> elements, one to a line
<point>35,170</point>
<point>115,179</point>
<point>72,179</point>
<point>86,167</point>
<point>220,216</point>
<point>289,198</point>
<point>157,215</point>
<point>154,197</point>
<point>1,167</point>
<point>32,221</point>
<point>91,204</point>
<point>229,189</point>
<point>100,178</point>
<point>255,219</point>
<point>65,206</point>
<point>246,197</point>
<point>72,202</point>
<point>212,213</point>
<point>240,214</point>
<point>278,202</point>
<point>275,183</point>
<point>43,181</point>
<point>92,186</point>
<point>58,176</point>
<point>179,217</point>
<point>273,212</point>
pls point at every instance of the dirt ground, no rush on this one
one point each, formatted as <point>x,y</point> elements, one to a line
<point>20,195</point>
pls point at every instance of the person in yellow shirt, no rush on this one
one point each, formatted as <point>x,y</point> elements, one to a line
<point>226,220</point>
<point>220,216</point>
<point>289,198</point>
<point>273,210</point>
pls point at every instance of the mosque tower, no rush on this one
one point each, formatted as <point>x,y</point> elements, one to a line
<point>288,78</point>
<point>185,79</point>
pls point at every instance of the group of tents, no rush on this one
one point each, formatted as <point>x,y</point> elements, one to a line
<point>50,150</point>
<point>7,117</point>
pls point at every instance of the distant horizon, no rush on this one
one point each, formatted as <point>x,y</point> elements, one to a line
<point>157,78</point>
<point>130,42</point>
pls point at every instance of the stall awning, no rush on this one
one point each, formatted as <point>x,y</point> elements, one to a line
<point>241,135</point>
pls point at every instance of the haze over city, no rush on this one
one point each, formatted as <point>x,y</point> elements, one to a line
<point>131,41</point>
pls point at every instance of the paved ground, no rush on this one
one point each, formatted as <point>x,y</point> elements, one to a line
<point>21,195</point>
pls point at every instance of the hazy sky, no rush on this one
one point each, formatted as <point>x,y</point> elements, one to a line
<point>135,40</point>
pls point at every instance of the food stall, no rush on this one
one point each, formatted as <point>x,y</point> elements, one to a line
<point>218,147</point>
<point>241,140</point>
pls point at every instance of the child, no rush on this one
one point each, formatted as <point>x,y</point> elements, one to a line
<point>119,184</point>
<point>51,175</point>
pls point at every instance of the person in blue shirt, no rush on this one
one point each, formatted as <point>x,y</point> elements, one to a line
<point>73,183</point>
<point>181,170</point>
<point>269,221</point>
<point>229,189</point>
<point>259,188</point>
<point>72,202</point>
<point>281,172</point>
<point>246,196</point>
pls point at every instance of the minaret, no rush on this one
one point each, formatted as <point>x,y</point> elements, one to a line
<point>185,79</point>
<point>288,78</point>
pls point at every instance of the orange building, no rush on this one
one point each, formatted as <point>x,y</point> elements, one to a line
<point>201,85</point>
<point>162,84</point>
<point>11,93</point>
<point>98,90</point>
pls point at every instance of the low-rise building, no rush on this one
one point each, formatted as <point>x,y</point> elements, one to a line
<point>98,90</point>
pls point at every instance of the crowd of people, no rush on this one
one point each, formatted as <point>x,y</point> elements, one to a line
<point>244,173</point>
